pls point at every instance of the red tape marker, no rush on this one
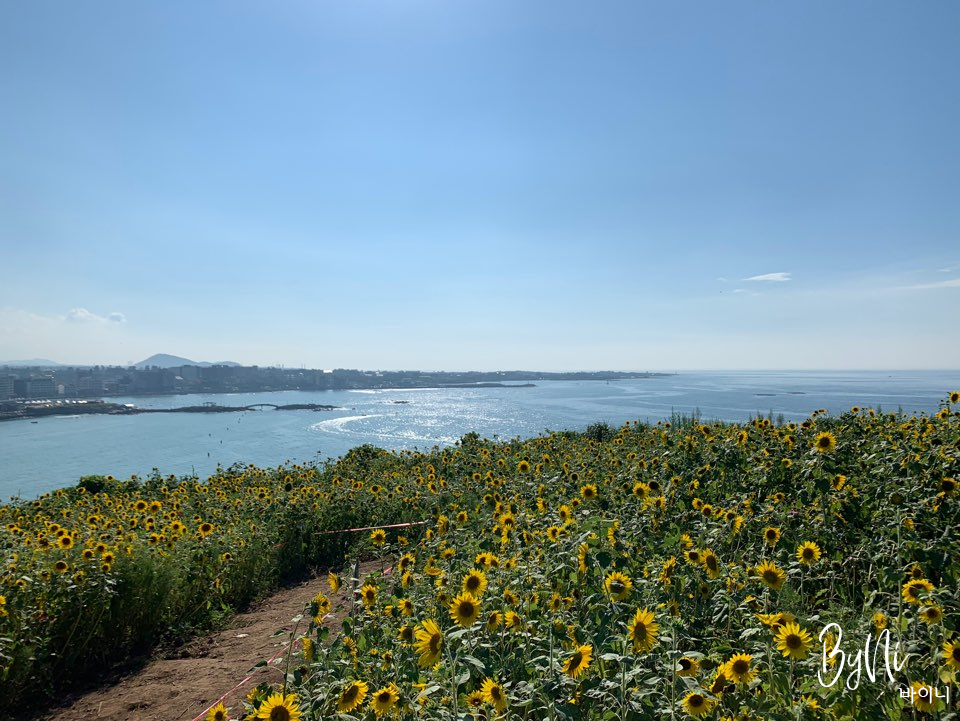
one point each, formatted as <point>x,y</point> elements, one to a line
<point>207,709</point>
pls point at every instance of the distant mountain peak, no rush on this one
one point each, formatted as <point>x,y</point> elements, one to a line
<point>33,362</point>
<point>165,360</point>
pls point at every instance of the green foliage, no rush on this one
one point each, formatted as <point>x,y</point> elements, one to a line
<point>97,573</point>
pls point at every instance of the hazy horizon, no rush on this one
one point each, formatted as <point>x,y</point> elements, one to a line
<point>482,185</point>
<point>384,369</point>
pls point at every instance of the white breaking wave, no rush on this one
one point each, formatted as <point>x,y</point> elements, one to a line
<point>337,424</point>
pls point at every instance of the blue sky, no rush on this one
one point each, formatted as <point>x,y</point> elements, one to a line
<point>482,184</point>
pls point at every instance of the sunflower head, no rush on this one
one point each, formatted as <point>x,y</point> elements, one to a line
<point>618,586</point>
<point>825,442</point>
<point>771,575</point>
<point>278,707</point>
<point>465,609</point>
<point>642,630</point>
<point>429,643</point>
<point>808,553</point>
<point>368,594</point>
<point>578,663</point>
<point>914,590</point>
<point>217,713</point>
<point>384,699</point>
<point>951,654</point>
<point>494,694</point>
<point>351,696</point>
<point>697,705</point>
<point>793,641</point>
<point>738,669</point>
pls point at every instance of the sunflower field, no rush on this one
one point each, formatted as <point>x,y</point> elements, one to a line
<point>668,571</point>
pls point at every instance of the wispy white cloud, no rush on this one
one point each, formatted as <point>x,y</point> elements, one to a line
<point>739,290</point>
<point>771,277</point>
<point>82,315</point>
<point>952,283</point>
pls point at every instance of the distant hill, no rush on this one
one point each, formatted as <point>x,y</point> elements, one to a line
<point>163,360</point>
<point>34,362</point>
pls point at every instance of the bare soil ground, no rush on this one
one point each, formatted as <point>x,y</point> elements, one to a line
<point>181,688</point>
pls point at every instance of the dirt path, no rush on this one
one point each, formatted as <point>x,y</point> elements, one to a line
<point>178,689</point>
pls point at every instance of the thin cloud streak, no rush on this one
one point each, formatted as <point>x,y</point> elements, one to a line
<point>771,277</point>
<point>953,283</point>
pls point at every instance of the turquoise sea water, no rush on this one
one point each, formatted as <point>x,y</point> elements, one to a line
<point>56,451</point>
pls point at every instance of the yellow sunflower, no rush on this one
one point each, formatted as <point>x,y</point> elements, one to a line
<point>321,605</point>
<point>720,681</point>
<point>618,586</point>
<point>914,589</point>
<point>368,595</point>
<point>465,610</point>
<point>808,553</point>
<point>771,535</point>
<point>687,666</point>
<point>642,631</point>
<point>217,713</point>
<point>711,563</point>
<point>771,575</point>
<point>378,536</point>
<point>589,492</point>
<point>494,695</point>
<point>475,700</point>
<point>279,708</point>
<point>825,442</point>
<point>475,583</point>
<point>351,697</point>
<point>793,641</point>
<point>951,654</point>
<point>738,669</point>
<point>384,699</point>
<point>697,705</point>
<point>429,643</point>
<point>578,663</point>
<point>922,696</point>
<point>931,614</point>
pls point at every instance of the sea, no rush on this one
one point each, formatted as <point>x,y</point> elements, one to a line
<point>54,452</point>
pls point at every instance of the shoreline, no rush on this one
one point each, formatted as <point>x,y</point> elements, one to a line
<point>34,411</point>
